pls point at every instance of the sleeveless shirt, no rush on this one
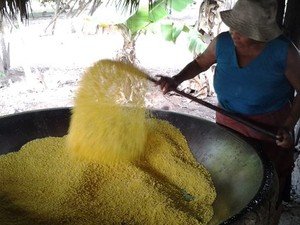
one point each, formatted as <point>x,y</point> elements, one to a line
<point>260,86</point>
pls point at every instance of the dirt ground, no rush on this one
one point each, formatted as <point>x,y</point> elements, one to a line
<point>54,64</point>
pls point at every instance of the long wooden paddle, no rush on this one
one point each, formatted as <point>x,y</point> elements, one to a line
<point>235,117</point>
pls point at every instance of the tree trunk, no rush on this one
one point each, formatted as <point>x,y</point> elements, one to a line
<point>128,52</point>
<point>4,52</point>
<point>292,21</point>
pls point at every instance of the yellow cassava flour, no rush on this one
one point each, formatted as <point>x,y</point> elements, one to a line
<point>97,112</point>
<point>145,174</point>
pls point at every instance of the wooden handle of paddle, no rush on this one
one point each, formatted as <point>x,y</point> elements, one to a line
<point>235,117</point>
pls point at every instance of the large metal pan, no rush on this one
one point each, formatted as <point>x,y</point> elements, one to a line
<point>241,175</point>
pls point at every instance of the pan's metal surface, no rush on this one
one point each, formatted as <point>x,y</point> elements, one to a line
<point>241,175</point>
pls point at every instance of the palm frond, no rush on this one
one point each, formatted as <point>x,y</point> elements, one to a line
<point>12,8</point>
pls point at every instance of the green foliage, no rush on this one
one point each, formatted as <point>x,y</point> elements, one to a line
<point>170,32</point>
<point>179,5</point>
<point>143,17</point>
<point>2,74</point>
<point>196,45</point>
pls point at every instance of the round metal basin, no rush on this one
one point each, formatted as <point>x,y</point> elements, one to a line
<point>241,175</point>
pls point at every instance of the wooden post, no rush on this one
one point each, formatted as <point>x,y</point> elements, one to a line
<point>280,12</point>
<point>292,21</point>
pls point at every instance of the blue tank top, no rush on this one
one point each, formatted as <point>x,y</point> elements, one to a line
<point>260,86</point>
